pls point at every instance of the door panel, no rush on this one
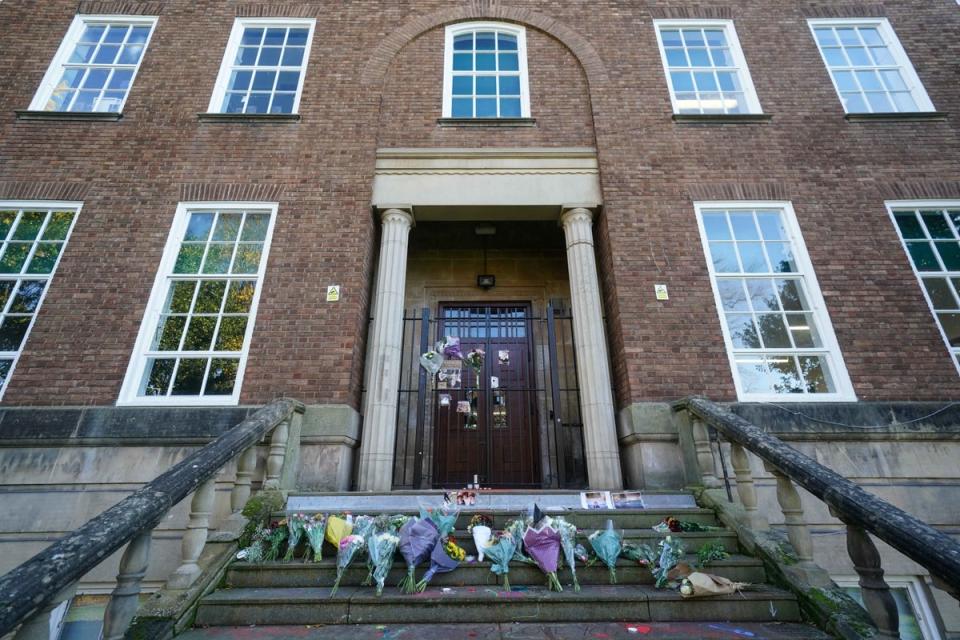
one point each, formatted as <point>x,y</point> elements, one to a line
<point>496,439</point>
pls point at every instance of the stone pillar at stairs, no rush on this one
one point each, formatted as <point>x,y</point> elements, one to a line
<point>386,341</point>
<point>593,371</point>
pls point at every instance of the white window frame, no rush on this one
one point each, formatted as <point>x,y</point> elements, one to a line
<point>70,39</point>
<point>916,593</point>
<point>743,71</point>
<point>917,90</point>
<point>151,315</point>
<point>37,205</point>
<point>838,370</point>
<point>233,44</point>
<point>515,30</point>
<point>896,205</point>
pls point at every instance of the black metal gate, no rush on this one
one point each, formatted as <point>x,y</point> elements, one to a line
<point>539,394</point>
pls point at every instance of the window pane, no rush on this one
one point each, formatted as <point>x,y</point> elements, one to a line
<point>157,380</point>
<point>949,254</point>
<point>248,257</point>
<point>462,85</point>
<point>951,327</point>
<point>751,255</point>
<point>781,257</point>
<point>462,108</point>
<point>180,296</point>
<point>487,85</point>
<point>909,225</point>
<point>486,108</point>
<point>462,61</point>
<point>255,227</point>
<point>506,42</point>
<point>743,333</point>
<point>743,226</point>
<point>45,257</point>
<point>292,57</point>
<point>28,296</point>
<point>210,296</point>
<point>936,224</point>
<point>14,257</point>
<point>509,62</point>
<point>222,377</point>
<point>12,332</point>
<point>485,41</point>
<point>681,80</point>
<point>509,85</point>
<point>724,257</point>
<point>773,331</point>
<point>189,377</point>
<point>732,296</point>
<point>463,42</point>
<point>230,336</point>
<point>169,332</point>
<point>716,227</point>
<point>199,333</point>
<point>940,292</point>
<point>923,256</point>
<point>509,108</point>
<point>486,62</point>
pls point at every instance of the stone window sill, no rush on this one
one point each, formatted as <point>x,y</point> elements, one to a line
<point>96,116</point>
<point>722,118</point>
<point>487,122</point>
<point>896,117</point>
<point>249,117</point>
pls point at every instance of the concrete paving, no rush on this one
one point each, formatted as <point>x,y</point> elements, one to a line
<point>518,631</point>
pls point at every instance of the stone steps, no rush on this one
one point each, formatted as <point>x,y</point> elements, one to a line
<point>478,604</point>
<point>298,574</point>
<point>519,631</point>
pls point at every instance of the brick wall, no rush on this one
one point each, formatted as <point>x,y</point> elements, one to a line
<point>374,79</point>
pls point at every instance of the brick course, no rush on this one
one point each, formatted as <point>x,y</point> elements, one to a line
<point>374,79</point>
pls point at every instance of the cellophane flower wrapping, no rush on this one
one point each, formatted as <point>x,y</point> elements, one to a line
<point>431,361</point>
<point>669,552</point>
<point>449,348</point>
<point>338,528</point>
<point>296,526</point>
<point>445,557</point>
<point>381,548</point>
<point>500,551</point>
<point>675,525</point>
<point>568,542</point>
<point>384,523</point>
<point>607,544</point>
<point>255,552</point>
<point>580,553</point>
<point>481,529</point>
<point>418,537</point>
<point>349,547</point>
<point>444,516</point>
<point>641,553</point>
<point>517,528</point>
<point>275,538</point>
<point>543,545</point>
<point>474,360</point>
<point>315,528</point>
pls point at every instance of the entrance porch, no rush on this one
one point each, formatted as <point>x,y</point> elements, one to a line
<point>538,412</point>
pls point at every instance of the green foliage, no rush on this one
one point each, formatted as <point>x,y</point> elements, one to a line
<point>257,512</point>
<point>711,552</point>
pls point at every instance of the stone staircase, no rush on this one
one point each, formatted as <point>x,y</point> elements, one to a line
<point>298,593</point>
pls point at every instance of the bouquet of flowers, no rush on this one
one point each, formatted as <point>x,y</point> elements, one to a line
<point>381,547</point>
<point>296,527</point>
<point>338,528</point>
<point>474,360</point>
<point>255,552</point>
<point>669,552</point>
<point>449,348</point>
<point>675,525</point>
<point>275,537</point>
<point>480,529</point>
<point>543,545</point>
<point>315,528</point>
<point>568,542</point>
<point>418,537</point>
<point>642,554</point>
<point>711,552</point>
<point>349,546</point>
<point>431,361</point>
<point>445,516</point>
<point>580,553</point>
<point>500,552</point>
<point>381,524</point>
<point>607,545</point>
<point>445,557</point>
<point>517,528</point>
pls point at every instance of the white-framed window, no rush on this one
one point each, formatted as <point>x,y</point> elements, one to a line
<point>930,233</point>
<point>917,620</point>
<point>869,68</point>
<point>195,335</point>
<point>95,65</point>
<point>264,66</point>
<point>485,71</point>
<point>33,235</point>
<point>775,324</point>
<point>705,68</point>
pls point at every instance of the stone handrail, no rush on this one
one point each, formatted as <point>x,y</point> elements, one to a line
<point>861,512</point>
<point>47,579</point>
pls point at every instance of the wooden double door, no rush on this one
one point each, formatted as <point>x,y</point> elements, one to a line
<point>485,422</point>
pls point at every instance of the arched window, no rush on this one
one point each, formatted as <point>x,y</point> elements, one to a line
<point>485,71</point>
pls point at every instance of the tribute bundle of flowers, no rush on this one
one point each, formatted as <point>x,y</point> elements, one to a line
<point>481,528</point>
<point>444,517</point>
<point>543,545</point>
<point>381,547</point>
<point>500,551</point>
<point>315,528</point>
<point>607,544</point>
<point>474,360</point>
<point>418,537</point>
<point>445,557</point>
<point>675,525</point>
<point>568,542</point>
<point>275,537</point>
<point>296,527</point>
<point>383,523</point>
<point>347,549</point>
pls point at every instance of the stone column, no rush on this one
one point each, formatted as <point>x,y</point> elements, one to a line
<point>593,370</point>
<point>384,355</point>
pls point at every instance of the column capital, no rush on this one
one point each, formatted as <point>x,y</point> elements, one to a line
<point>577,212</point>
<point>402,213</point>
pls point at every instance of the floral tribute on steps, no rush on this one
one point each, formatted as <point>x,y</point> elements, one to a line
<point>607,545</point>
<point>445,557</point>
<point>481,528</point>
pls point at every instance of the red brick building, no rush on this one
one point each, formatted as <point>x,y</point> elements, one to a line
<point>213,203</point>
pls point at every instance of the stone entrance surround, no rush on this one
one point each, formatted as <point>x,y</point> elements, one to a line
<point>483,185</point>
